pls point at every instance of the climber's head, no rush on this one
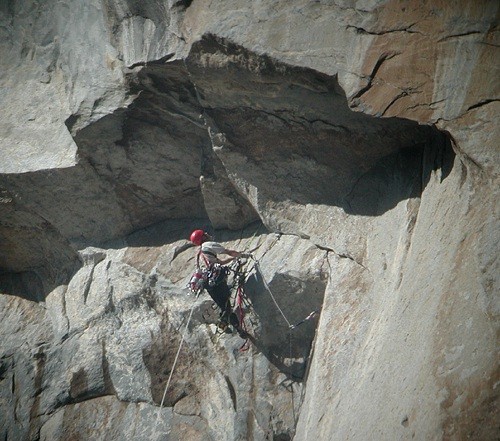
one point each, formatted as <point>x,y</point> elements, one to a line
<point>198,237</point>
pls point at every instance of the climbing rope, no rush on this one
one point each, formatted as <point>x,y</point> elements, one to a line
<point>240,279</point>
<point>183,336</point>
<point>290,325</point>
<point>257,265</point>
<point>290,355</point>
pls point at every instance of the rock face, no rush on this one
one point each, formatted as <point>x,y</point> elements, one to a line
<point>352,147</point>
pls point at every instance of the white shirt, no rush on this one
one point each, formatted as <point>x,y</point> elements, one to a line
<point>211,249</point>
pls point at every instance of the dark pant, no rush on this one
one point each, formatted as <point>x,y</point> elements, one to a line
<point>220,293</point>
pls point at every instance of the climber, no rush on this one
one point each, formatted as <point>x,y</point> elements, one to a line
<point>216,283</point>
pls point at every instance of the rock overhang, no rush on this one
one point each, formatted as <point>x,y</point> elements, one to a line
<point>258,132</point>
<point>411,274</point>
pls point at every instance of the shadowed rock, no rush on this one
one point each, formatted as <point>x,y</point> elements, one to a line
<point>127,123</point>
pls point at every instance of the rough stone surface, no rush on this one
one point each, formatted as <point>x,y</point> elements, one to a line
<point>103,358</point>
<point>352,146</point>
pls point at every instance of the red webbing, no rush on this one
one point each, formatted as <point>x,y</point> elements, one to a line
<point>241,317</point>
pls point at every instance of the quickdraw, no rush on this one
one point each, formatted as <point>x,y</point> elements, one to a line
<point>309,317</point>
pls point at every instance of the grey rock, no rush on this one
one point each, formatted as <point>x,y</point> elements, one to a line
<point>352,147</point>
<point>108,418</point>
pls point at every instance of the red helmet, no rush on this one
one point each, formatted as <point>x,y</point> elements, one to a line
<point>197,237</point>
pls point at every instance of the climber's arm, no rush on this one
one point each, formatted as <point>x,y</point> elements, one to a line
<point>234,254</point>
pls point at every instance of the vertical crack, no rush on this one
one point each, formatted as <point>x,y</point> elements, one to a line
<point>88,283</point>
<point>108,382</point>
<point>232,392</point>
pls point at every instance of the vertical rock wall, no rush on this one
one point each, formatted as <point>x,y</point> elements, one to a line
<point>353,146</point>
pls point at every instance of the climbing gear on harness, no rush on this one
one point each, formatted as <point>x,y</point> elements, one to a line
<point>208,275</point>
<point>197,237</point>
<point>238,317</point>
<point>197,282</point>
<point>216,274</point>
<point>203,278</point>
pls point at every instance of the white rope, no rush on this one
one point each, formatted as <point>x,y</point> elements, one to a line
<point>290,326</point>
<point>271,294</point>
<point>290,331</point>
<point>176,357</point>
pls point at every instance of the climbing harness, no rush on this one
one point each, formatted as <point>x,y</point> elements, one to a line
<point>205,276</point>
